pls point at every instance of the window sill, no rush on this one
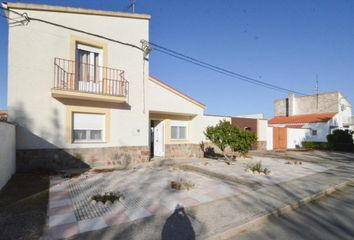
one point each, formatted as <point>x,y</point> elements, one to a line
<point>88,142</point>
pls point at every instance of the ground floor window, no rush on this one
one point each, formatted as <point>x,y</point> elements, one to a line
<point>179,130</point>
<point>88,127</point>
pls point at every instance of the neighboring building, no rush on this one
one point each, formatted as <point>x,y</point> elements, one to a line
<point>254,123</point>
<point>315,116</point>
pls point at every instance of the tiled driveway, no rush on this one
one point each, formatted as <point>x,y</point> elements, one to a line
<point>147,192</point>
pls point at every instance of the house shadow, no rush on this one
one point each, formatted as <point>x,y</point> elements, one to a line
<point>178,226</point>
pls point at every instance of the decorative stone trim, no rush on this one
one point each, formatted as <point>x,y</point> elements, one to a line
<point>187,150</point>
<point>62,159</point>
<point>261,145</point>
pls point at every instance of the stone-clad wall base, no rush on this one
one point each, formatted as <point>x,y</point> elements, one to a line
<point>61,159</point>
<point>262,145</point>
<point>183,151</point>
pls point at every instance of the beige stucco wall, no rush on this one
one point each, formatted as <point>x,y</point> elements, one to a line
<point>262,125</point>
<point>160,99</point>
<point>32,49</point>
<point>202,122</point>
<point>166,105</point>
<point>7,152</point>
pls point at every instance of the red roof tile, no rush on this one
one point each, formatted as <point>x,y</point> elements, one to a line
<point>308,118</point>
<point>294,125</point>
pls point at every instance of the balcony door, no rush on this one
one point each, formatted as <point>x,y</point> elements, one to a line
<point>89,69</point>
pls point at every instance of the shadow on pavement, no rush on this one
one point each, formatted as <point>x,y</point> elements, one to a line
<point>178,226</point>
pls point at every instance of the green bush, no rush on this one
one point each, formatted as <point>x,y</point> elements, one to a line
<point>315,145</point>
<point>224,135</point>
<point>341,140</point>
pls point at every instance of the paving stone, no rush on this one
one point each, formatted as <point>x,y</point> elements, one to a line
<point>116,218</point>
<point>136,213</point>
<point>188,202</point>
<point>158,209</point>
<point>60,210</point>
<point>63,231</point>
<point>61,219</point>
<point>59,203</point>
<point>92,224</point>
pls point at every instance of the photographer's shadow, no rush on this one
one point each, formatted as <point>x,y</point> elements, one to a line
<point>178,226</point>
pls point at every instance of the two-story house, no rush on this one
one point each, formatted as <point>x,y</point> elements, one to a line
<point>80,92</point>
<point>319,113</point>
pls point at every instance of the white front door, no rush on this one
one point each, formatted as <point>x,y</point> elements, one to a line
<point>159,145</point>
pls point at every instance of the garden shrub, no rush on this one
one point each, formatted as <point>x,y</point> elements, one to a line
<point>224,135</point>
<point>315,145</point>
<point>341,140</point>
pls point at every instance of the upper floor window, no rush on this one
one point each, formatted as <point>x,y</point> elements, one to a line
<point>89,62</point>
<point>88,127</point>
<point>179,130</point>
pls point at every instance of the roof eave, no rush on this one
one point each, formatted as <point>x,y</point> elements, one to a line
<point>49,8</point>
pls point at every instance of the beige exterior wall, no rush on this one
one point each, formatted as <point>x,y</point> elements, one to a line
<point>42,119</point>
<point>164,103</point>
<point>262,125</point>
<point>202,122</point>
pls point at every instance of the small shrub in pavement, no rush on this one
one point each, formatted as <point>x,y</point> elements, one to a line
<point>182,184</point>
<point>108,197</point>
<point>257,168</point>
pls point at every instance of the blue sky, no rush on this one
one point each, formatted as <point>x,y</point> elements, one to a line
<point>282,42</point>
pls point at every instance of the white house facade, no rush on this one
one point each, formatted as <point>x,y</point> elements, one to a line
<point>310,118</point>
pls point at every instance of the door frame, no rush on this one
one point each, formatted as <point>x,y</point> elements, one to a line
<point>161,125</point>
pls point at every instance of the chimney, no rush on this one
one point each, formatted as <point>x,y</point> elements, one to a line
<point>291,104</point>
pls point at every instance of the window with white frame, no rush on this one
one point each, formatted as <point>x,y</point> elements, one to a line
<point>88,127</point>
<point>179,130</point>
<point>89,60</point>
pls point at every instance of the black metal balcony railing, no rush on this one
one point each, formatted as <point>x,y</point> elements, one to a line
<point>89,78</point>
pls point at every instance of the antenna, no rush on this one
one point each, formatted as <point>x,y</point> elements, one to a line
<point>132,5</point>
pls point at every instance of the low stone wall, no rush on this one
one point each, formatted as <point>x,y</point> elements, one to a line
<point>80,158</point>
<point>183,151</point>
<point>261,145</point>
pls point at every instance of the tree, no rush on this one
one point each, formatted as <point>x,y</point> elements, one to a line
<point>224,135</point>
<point>341,140</point>
<point>242,141</point>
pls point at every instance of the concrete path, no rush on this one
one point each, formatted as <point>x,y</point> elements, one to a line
<point>214,219</point>
<point>329,218</point>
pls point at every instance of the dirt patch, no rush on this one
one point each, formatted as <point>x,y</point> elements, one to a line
<point>23,206</point>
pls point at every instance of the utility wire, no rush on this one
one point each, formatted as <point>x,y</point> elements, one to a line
<point>169,52</point>
<point>73,29</point>
<point>214,67</point>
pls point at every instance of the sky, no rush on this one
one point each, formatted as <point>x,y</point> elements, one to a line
<point>282,42</point>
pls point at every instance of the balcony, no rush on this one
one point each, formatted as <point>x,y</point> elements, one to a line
<point>74,80</point>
